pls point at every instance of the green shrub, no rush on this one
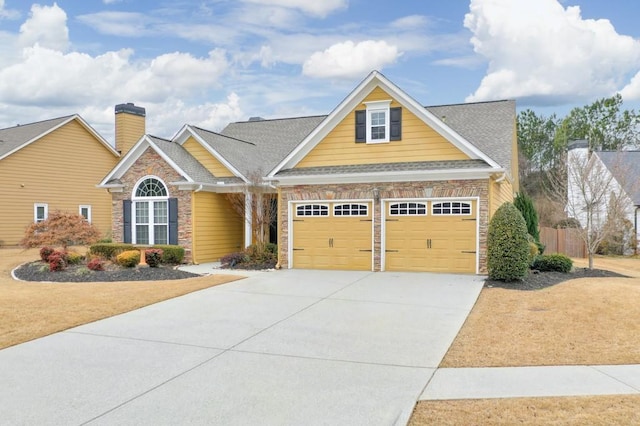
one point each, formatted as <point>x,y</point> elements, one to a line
<point>129,258</point>
<point>533,252</point>
<point>74,258</point>
<point>507,245</point>
<point>153,257</point>
<point>524,204</point>
<point>109,250</point>
<point>173,255</point>
<point>553,263</point>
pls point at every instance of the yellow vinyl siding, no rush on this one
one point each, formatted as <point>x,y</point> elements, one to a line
<point>499,193</point>
<point>129,129</point>
<point>210,162</point>
<point>217,228</point>
<point>62,170</point>
<point>419,142</point>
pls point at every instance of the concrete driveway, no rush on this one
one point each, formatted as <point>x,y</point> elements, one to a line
<point>286,347</point>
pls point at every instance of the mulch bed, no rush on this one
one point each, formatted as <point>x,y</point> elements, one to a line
<point>38,271</point>
<point>540,280</point>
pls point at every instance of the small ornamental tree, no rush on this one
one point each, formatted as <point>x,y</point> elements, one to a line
<point>524,203</point>
<point>60,229</point>
<point>508,247</point>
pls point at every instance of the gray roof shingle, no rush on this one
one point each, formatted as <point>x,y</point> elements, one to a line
<point>387,167</point>
<point>13,137</point>
<point>625,167</point>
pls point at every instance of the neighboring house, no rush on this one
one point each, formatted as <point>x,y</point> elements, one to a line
<point>600,178</point>
<point>54,165</point>
<point>381,183</point>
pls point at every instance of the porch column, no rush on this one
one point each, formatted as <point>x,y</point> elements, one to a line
<point>248,225</point>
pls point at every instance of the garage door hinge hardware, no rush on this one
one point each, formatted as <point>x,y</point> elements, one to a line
<point>366,220</point>
<point>467,251</point>
<point>330,242</point>
<point>367,250</point>
<point>298,220</point>
<point>393,220</point>
<point>392,251</point>
<point>429,243</point>
<point>470,219</point>
<point>295,249</point>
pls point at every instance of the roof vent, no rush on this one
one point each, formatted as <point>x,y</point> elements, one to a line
<point>256,119</point>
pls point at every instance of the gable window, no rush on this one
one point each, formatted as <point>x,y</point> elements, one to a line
<point>85,211</point>
<point>312,210</point>
<point>408,209</point>
<point>40,212</point>
<point>351,210</point>
<point>151,212</point>
<point>379,123</point>
<point>451,208</point>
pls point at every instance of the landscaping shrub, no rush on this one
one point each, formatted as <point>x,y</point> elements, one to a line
<point>524,204</point>
<point>129,258</point>
<point>74,258</point>
<point>508,248</point>
<point>232,259</point>
<point>553,263</point>
<point>153,257</point>
<point>96,264</point>
<point>533,252</point>
<point>61,229</point>
<point>45,252</point>
<point>171,254</point>
<point>57,261</point>
<point>109,250</point>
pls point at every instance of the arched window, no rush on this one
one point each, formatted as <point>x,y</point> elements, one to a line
<point>151,212</point>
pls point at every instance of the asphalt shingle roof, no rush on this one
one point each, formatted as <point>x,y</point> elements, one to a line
<point>386,167</point>
<point>13,137</point>
<point>625,167</point>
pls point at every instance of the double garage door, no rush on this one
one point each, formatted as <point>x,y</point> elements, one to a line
<point>430,235</point>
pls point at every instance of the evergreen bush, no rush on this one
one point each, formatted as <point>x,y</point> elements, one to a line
<point>109,250</point>
<point>553,263</point>
<point>524,204</point>
<point>171,254</point>
<point>129,258</point>
<point>508,247</point>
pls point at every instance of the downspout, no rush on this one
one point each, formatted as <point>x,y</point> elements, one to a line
<point>279,227</point>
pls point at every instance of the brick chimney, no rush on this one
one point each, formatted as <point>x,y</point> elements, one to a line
<point>130,126</point>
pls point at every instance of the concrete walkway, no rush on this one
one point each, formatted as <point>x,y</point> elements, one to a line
<point>277,348</point>
<point>511,382</point>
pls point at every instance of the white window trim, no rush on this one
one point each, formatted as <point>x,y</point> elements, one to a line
<point>35,211</point>
<point>466,203</point>
<point>350,210</point>
<point>149,200</point>
<point>328,210</point>
<point>85,206</point>
<point>422,204</point>
<point>379,106</point>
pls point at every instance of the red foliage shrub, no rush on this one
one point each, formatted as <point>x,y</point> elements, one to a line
<point>56,261</point>
<point>153,257</point>
<point>96,264</point>
<point>45,252</point>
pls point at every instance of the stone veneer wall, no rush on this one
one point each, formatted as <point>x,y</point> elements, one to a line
<point>437,189</point>
<point>151,164</point>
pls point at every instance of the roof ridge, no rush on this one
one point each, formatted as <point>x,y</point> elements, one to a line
<point>40,121</point>
<point>470,103</point>
<point>281,118</point>
<point>224,136</point>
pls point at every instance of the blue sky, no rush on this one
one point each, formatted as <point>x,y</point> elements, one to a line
<point>210,62</point>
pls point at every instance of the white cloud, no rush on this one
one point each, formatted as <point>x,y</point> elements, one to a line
<point>349,59</point>
<point>410,22</point>
<point>7,13</point>
<point>631,92</point>
<point>47,27</point>
<point>545,53</point>
<point>111,1</point>
<point>320,8</point>
<point>127,24</point>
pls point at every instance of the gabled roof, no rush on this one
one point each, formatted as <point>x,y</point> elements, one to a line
<point>190,170</point>
<point>13,139</point>
<point>625,168</point>
<point>273,139</point>
<point>373,80</point>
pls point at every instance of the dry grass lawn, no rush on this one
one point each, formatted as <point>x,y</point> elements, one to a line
<point>30,310</point>
<point>593,411</point>
<point>585,321</point>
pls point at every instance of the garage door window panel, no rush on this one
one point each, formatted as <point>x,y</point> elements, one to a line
<point>451,208</point>
<point>313,210</point>
<point>408,209</point>
<point>351,210</point>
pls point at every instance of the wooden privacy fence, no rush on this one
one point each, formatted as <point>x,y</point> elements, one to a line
<point>566,241</point>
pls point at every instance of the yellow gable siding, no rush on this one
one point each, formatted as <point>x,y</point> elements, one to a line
<point>210,162</point>
<point>419,142</point>
<point>217,228</point>
<point>499,193</point>
<point>61,170</point>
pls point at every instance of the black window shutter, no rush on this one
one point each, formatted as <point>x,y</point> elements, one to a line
<point>126,219</point>
<point>395,121</point>
<point>173,221</point>
<point>361,126</point>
